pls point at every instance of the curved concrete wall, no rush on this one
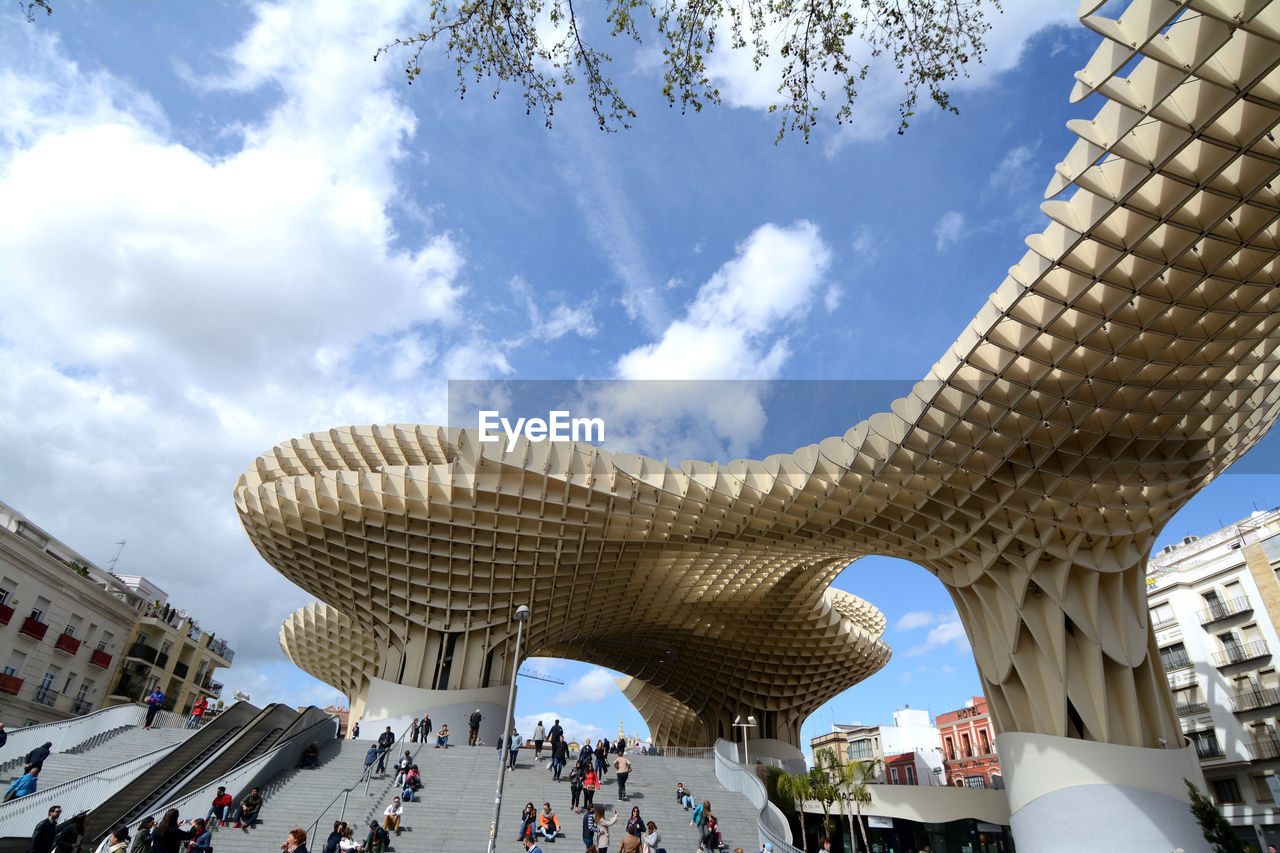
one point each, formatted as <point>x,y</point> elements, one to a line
<point>1070,795</point>
<point>395,705</point>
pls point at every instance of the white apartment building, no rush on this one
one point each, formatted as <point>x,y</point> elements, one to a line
<point>63,625</point>
<point>1215,603</point>
<point>912,732</point>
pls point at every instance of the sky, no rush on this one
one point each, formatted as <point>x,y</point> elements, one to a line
<point>222,225</point>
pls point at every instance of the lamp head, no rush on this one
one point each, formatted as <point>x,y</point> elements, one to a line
<point>522,613</point>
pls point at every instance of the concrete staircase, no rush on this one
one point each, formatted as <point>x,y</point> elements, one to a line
<point>456,805</point>
<point>128,743</point>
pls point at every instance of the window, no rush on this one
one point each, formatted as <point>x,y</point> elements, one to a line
<point>861,749</point>
<point>893,776</point>
<point>107,637</point>
<point>73,627</point>
<point>7,586</point>
<point>1226,791</point>
<point>1162,616</point>
<point>975,781</point>
<point>986,741</point>
<point>41,608</point>
<point>968,746</point>
<point>1213,604</point>
<point>910,774</point>
<point>951,750</point>
<point>1206,743</point>
<point>1174,657</point>
<point>1261,790</point>
<point>66,688</point>
<point>16,661</point>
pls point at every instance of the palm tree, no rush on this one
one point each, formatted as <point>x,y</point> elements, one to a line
<point>824,791</point>
<point>797,788</point>
<point>854,783</point>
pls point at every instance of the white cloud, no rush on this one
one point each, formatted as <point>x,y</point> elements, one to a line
<point>591,686</point>
<point>949,230</point>
<point>732,329</point>
<point>575,731</point>
<point>549,316</point>
<point>864,246</point>
<point>831,299</point>
<point>948,632</point>
<point>915,619</point>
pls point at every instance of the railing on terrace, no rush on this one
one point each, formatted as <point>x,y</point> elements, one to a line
<point>1225,610</point>
<point>703,752</point>
<point>75,734</point>
<point>1164,623</point>
<point>1239,654</point>
<point>82,794</point>
<point>1255,699</point>
<point>1265,748</point>
<point>143,651</point>
<point>771,826</point>
<point>1198,707</point>
<point>1172,662</point>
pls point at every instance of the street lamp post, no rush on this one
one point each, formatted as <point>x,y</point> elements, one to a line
<point>749,724</point>
<point>521,617</point>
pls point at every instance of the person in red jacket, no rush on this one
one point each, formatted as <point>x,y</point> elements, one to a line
<point>221,808</point>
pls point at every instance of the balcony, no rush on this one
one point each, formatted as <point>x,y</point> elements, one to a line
<point>81,706</point>
<point>1224,610</point>
<point>1208,750</point>
<point>1265,748</point>
<point>10,684</point>
<point>180,670</point>
<point>220,648</point>
<point>1233,655</point>
<point>1164,623</point>
<point>67,643</point>
<point>33,627</point>
<point>1255,699</point>
<point>100,659</point>
<point>1189,708</point>
<point>214,687</point>
<point>162,660</point>
<point>46,696</point>
<point>143,652</point>
<point>1172,662</point>
<point>6,613</point>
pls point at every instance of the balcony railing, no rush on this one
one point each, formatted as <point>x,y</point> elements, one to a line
<point>46,696</point>
<point>1208,750</point>
<point>1172,662</point>
<point>1255,699</point>
<point>67,643</point>
<point>10,684</point>
<point>1265,748</point>
<point>81,706</point>
<point>6,613</point>
<point>1164,623</point>
<point>215,687</point>
<point>1225,610</point>
<point>180,670</point>
<point>162,660</point>
<point>143,651</point>
<point>100,659</point>
<point>1197,707</point>
<point>220,648</point>
<point>33,627</point>
<point>1232,655</point>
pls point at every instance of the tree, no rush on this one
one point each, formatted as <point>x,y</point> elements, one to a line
<point>824,791</point>
<point>1214,826</point>
<point>852,780</point>
<point>796,787</point>
<point>541,47</point>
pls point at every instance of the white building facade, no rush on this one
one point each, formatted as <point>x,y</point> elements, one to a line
<point>913,732</point>
<point>1215,603</point>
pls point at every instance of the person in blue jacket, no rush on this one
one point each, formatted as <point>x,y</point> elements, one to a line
<point>23,785</point>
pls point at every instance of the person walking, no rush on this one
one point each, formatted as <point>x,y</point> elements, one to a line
<point>559,755</point>
<point>413,731</point>
<point>154,701</point>
<point>42,835</point>
<point>602,755</point>
<point>36,757</point>
<point>513,747</point>
<point>575,786</point>
<point>142,838</point>
<point>602,828</point>
<point>622,765</point>
<point>538,737</point>
<point>651,838</point>
<point>386,740</point>
<point>589,828</point>
<point>23,785</point>
<point>169,836</point>
<point>590,784</point>
<point>70,834</point>
<point>555,735</point>
<point>119,840</point>
<point>473,727</point>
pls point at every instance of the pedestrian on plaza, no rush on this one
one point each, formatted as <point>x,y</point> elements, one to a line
<point>622,745</point>
<point>575,786</point>
<point>622,764</point>
<point>590,784</point>
<point>559,756</point>
<point>386,740</point>
<point>602,829</point>
<point>37,756</point>
<point>154,700</point>
<point>355,730</point>
<point>296,842</point>
<point>197,713</point>
<point>513,747</point>
<point>473,728</point>
<point>589,828</point>
<point>119,840</point>
<point>531,846</point>
<point>169,836</point>
<point>70,834</point>
<point>602,755</point>
<point>538,737</point>
<point>42,836</point>
<point>413,731</point>
<point>652,838</point>
<point>202,841</point>
<point>142,839</point>
<point>23,785</point>
<point>635,823</point>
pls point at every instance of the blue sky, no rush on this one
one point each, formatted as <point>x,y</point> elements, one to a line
<point>222,225</point>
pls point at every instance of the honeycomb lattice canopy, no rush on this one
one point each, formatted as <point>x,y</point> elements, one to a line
<point>1127,359</point>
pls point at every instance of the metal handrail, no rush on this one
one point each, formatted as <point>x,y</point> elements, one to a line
<point>366,776</point>
<point>76,795</point>
<point>1240,653</point>
<point>770,824</point>
<point>75,733</point>
<point>242,779</point>
<point>1224,610</point>
<point>699,752</point>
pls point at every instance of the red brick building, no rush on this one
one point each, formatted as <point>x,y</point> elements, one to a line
<point>969,747</point>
